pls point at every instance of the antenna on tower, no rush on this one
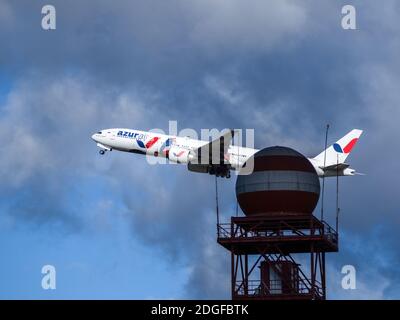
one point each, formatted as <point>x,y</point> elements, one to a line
<point>216,201</point>
<point>323,176</point>
<point>237,208</point>
<point>239,141</point>
<point>337,193</point>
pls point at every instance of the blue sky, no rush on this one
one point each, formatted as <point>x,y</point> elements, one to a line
<point>116,227</point>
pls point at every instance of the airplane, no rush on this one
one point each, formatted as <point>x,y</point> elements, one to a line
<point>217,157</point>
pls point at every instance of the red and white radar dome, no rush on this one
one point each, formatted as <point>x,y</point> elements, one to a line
<point>283,182</point>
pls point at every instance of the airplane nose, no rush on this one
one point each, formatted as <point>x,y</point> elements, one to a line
<point>94,137</point>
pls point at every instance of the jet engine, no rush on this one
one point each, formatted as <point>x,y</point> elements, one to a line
<point>179,155</point>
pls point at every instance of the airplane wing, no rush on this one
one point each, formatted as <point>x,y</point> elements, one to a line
<point>215,151</point>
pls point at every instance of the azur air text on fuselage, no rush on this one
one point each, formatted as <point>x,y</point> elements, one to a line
<point>135,135</point>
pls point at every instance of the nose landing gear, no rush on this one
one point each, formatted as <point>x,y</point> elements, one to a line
<point>102,152</point>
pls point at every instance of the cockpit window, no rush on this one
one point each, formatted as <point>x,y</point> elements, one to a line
<point>99,132</point>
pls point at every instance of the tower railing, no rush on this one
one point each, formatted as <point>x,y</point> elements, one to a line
<point>280,229</point>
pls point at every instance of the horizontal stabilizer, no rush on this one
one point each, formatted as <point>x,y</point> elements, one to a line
<point>334,167</point>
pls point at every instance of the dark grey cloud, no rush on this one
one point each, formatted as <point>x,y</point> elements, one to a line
<point>285,68</point>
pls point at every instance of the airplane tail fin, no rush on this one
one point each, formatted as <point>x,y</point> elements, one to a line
<point>340,150</point>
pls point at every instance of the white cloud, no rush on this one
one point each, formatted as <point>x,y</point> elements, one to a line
<point>370,284</point>
<point>46,125</point>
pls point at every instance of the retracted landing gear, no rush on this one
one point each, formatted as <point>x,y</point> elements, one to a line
<point>220,171</point>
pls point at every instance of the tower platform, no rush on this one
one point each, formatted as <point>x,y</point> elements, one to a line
<point>277,234</point>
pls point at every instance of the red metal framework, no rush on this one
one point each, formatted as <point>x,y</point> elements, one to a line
<point>268,243</point>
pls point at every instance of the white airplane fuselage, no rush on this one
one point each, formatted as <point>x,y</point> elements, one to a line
<point>181,149</point>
